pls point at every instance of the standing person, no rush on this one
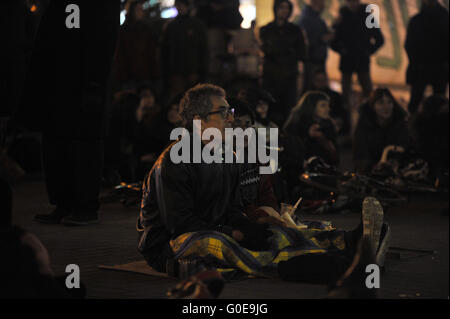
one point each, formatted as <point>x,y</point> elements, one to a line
<point>427,47</point>
<point>284,47</point>
<point>355,43</point>
<point>318,36</point>
<point>69,106</point>
<point>136,57</point>
<point>184,51</point>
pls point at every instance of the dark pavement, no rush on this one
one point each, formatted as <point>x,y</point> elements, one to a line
<point>419,225</point>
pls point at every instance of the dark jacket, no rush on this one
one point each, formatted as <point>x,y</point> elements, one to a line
<point>427,43</point>
<point>296,126</point>
<point>353,38</point>
<point>371,139</point>
<point>283,48</point>
<point>185,47</point>
<point>315,28</point>
<point>183,198</point>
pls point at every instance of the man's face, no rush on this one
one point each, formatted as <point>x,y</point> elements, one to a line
<point>283,11</point>
<point>221,117</point>
<point>318,5</point>
<point>353,4</point>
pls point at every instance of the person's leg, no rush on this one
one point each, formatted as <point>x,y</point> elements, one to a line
<point>86,161</point>
<point>57,177</point>
<point>346,88</point>
<point>366,83</point>
<point>417,92</point>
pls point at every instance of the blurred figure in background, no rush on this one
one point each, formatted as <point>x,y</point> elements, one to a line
<point>355,43</point>
<point>318,36</point>
<point>382,123</point>
<point>427,46</point>
<point>320,82</point>
<point>184,51</point>
<point>310,120</point>
<point>283,45</point>
<point>429,129</point>
<point>136,55</point>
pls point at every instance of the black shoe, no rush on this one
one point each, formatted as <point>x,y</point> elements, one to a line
<point>81,219</point>
<point>53,218</point>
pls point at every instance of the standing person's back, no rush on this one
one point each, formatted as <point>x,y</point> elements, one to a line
<point>427,45</point>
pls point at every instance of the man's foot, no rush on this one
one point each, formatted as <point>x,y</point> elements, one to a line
<point>207,284</point>
<point>53,218</point>
<point>81,219</point>
<point>372,221</point>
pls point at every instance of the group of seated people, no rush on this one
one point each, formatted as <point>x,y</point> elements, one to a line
<point>212,220</point>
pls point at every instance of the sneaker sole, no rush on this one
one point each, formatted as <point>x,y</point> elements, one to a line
<point>372,217</point>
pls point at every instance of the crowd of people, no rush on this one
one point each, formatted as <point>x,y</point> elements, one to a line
<point>150,72</point>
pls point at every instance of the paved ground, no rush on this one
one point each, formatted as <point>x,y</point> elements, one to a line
<point>415,226</point>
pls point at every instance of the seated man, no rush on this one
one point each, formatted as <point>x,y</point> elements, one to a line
<point>191,217</point>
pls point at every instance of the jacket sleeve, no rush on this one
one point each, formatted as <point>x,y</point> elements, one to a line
<point>301,45</point>
<point>378,37</point>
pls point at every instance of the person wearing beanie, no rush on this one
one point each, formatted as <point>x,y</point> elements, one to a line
<point>284,47</point>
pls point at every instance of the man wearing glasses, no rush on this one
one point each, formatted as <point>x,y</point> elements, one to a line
<point>196,197</point>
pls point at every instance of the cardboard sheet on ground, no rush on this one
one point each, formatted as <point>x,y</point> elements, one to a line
<point>140,267</point>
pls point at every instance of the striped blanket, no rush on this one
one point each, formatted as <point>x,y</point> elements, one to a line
<point>226,255</point>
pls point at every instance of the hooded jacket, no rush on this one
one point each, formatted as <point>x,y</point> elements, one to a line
<point>371,139</point>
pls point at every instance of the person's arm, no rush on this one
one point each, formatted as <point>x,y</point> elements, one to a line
<point>301,45</point>
<point>378,38</point>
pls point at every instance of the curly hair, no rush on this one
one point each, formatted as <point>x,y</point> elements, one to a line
<point>197,101</point>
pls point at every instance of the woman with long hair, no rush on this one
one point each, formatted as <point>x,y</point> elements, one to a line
<point>382,123</point>
<point>310,120</point>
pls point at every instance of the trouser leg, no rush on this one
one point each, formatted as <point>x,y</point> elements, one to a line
<point>417,92</point>
<point>366,83</point>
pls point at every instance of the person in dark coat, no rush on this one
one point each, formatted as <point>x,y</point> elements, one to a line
<point>184,51</point>
<point>318,36</point>
<point>284,47</point>
<point>355,43</point>
<point>382,123</point>
<point>136,57</point>
<point>427,46</point>
<point>68,107</point>
<point>310,120</point>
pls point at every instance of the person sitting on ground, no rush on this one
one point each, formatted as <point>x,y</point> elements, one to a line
<point>191,217</point>
<point>382,123</point>
<point>257,193</point>
<point>311,121</point>
<point>338,112</point>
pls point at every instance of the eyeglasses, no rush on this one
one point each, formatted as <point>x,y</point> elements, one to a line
<point>224,112</point>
